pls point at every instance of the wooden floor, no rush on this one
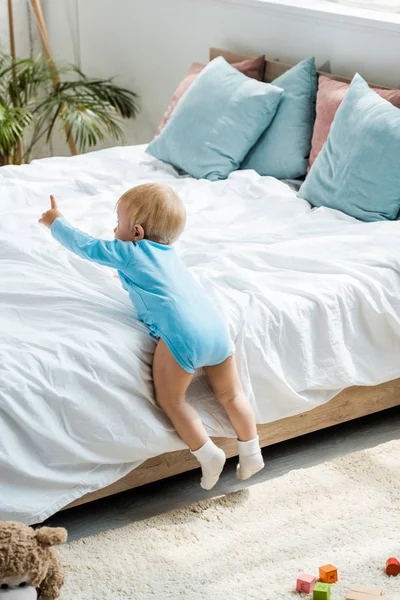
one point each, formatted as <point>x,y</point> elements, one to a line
<point>181,490</point>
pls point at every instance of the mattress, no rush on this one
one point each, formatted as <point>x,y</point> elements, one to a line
<point>312,298</point>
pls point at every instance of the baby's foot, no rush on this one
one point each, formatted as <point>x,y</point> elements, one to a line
<point>250,459</point>
<point>211,470</point>
<point>212,460</point>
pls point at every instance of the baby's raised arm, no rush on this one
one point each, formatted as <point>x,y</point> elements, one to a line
<point>114,253</point>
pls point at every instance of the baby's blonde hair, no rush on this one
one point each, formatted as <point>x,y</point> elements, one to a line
<point>158,209</point>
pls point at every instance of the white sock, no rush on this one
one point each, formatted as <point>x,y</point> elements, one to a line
<point>250,458</point>
<point>212,460</point>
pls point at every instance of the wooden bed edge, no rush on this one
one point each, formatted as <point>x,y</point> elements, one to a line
<point>350,404</point>
<point>276,68</point>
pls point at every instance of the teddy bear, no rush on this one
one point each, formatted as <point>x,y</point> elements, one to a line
<point>29,566</point>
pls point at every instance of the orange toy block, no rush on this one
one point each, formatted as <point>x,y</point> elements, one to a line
<point>372,590</point>
<point>392,567</point>
<point>328,574</point>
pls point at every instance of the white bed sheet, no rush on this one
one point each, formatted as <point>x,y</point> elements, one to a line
<point>312,298</point>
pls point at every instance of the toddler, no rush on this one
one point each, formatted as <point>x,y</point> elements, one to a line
<point>187,325</point>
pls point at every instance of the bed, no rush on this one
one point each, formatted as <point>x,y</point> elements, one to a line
<point>312,297</point>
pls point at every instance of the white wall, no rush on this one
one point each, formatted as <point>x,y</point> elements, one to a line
<point>21,28</point>
<point>149,44</point>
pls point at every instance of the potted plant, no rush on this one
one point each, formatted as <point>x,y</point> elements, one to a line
<point>37,96</point>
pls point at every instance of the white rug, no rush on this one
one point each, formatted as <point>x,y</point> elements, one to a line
<point>252,544</point>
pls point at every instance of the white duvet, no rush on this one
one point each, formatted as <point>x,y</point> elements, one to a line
<point>312,298</point>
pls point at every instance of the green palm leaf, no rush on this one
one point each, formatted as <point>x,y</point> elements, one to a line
<point>13,123</point>
<point>88,109</point>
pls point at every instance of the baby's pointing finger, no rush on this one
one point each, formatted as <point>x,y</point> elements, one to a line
<point>53,202</point>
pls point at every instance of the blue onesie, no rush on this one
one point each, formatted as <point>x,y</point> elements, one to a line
<point>167,298</point>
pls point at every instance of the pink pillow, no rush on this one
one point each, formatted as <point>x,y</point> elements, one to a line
<point>329,97</point>
<point>252,67</point>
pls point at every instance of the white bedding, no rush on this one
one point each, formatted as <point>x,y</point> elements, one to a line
<point>312,298</point>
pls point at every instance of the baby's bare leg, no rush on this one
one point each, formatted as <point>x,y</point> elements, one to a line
<point>228,390</point>
<point>171,383</point>
<point>226,385</point>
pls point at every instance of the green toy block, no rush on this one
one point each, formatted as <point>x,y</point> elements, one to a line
<point>322,591</point>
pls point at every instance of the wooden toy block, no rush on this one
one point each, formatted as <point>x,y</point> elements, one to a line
<point>328,574</point>
<point>322,591</point>
<point>305,583</point>
<point>392,567</point>
<point>361,596</point>
<point>372,590</point>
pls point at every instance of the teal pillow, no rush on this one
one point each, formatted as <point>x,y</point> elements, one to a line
<point>358,168</point>
<point>216,122</point>
<point>283,150</point>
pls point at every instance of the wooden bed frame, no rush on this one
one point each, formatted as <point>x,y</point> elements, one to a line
<point>350,404</point>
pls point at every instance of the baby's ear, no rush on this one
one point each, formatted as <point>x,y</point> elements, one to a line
<point>50,536</point>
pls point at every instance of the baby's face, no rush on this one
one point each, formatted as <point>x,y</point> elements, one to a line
<point>122,231</point>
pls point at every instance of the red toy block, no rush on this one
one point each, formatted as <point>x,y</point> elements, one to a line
<point>328,574</point>
<point>305,583</point>
<point>392,567</point>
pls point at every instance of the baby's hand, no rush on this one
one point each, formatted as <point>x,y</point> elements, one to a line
<point>50,215</point>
